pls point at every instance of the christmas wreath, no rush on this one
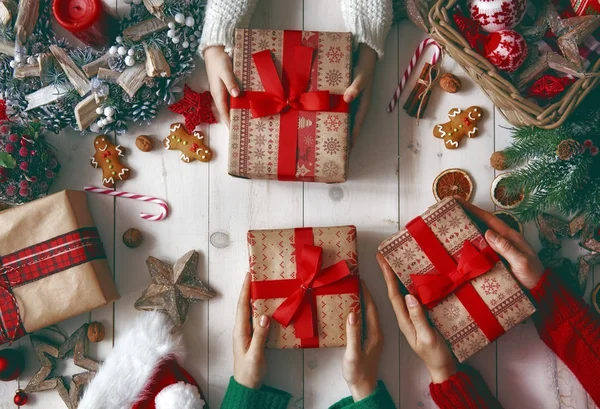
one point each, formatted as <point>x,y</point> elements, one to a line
<point>44,79</point>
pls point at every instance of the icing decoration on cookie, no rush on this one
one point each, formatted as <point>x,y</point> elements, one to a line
<point>461,123</point>
<point>191,146</point>
<point>108,158</point>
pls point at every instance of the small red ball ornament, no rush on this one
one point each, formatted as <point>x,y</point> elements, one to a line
<point>506,49</point>
<point>12,363</point>
<point>495,15</point>
<point>20,398</point>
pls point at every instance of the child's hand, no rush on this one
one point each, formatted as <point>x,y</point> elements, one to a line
<point>249,365</point>
<point>426,341</point>
<point>361,362</point>
<point>361,86</point>
<point>220,79</point>
<point>524,262</point>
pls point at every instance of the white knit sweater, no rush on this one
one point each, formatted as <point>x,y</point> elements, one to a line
<point>368,20</point>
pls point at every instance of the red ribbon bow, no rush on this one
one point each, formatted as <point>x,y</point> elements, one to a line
<point>432,288</point>
<point>274,99</point>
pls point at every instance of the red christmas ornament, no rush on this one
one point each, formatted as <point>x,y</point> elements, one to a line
<point>506,49</point>
<point>496,15</point>
<point>196,108</point>
<point>549,86</point>
<point>20,398</point>
<point>12,363</point>
<point>470,30</point>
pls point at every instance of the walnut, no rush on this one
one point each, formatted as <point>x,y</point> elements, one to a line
<point>95,332</point>
<point>450,83</point>
<point>498,160</point>
<point>132,238</point>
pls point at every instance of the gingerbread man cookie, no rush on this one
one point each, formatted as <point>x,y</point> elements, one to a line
<point>108,158</point>
<point>192,145</point>
<point>461,123</point>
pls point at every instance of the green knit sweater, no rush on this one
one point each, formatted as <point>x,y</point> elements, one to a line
<point>241,397</point>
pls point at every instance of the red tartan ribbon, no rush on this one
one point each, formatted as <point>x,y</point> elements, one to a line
<point>454,278</point>
<point>287,97</point>
<point>37,262</point>
<point>300,293</point>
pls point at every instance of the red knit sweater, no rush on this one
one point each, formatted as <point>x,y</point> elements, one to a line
<point>565,323</point>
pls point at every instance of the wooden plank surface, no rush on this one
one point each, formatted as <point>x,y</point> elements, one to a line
<point>393,165</point>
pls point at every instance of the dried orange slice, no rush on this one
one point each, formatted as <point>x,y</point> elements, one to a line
<point>510,219</point>
<point>500,196</point>
<point>453,182</point>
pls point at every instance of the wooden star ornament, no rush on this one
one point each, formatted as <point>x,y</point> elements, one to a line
<point>173,287</point>
<point>196,108</point>
<point>48,353</point>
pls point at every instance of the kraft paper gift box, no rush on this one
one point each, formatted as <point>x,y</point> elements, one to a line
<point>442,258</point>
<point>52,264</point>
<point>307,280</point>
<point>290,122</point>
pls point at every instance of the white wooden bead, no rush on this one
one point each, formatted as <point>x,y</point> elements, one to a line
<point>129,61</point>
<point>189,21</point>
<point>122,50</point>
<point>175,40</point>
<point>179,18</point>
<point>185,44</point>
<point>131,51</point>
<point>109,111</point>
<point>112,50</point>
<point>119,39</point>
<point>99,110</point>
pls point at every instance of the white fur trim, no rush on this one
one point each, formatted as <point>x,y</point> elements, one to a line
<point>179,396</point>
<point>121,379</point>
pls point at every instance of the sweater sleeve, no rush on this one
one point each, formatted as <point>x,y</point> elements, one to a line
<point>380,399</point>
<point>369,21</point>
<point>221,18</point>
<point>570,328</point>
<point>465,389</point>
<point>239,396</point>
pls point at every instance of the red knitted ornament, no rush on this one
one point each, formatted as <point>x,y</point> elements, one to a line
<point>506,49</point>
<point>495,15</point>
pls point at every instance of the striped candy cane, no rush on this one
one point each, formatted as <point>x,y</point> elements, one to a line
<point>165,207</point>
<point>411,66</point>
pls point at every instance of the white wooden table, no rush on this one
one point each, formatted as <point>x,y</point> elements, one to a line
<point>392,168</point>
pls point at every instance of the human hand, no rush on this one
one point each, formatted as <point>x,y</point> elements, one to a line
<point>426,341</point>
<point>361,361</point>
<point>221,80</point>
<point>524,262</point>
<point>249,365</point>
<point>362,86</point>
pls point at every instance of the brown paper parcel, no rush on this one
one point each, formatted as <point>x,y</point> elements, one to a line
<point>498,288</point>
<point>65,294</point>
<point>322,136</point>
<point>272,257</point>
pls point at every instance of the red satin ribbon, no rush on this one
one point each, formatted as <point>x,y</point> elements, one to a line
<point>433,288</point>
<point>299,306</point>
<point>287,96</point>
<point>454,278</point>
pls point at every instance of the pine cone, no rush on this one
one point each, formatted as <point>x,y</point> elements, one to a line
<point>117,63</point>
<point>498,160</point>
<point>567,149</point>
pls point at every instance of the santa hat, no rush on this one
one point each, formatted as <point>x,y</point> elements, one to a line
<point>143,371</point>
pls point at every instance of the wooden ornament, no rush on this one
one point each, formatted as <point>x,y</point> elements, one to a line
<point>85,112</point>
<point>46,95</point>
<point>156,64</point>
<point>92,68</point>
<point>132,79</point>
<point>7,47</point>
<point>156,8</point>
<point>173,287</point>
<point>27,16</point>
<point>144,143</point>
<point>109,75</point>
<point>8,11</point>
<point>76,77</point>
<point>48,353</point>
<point>95,332</point>
<point>132,238</point>
<point>141,30</point>
<point>191,146</point>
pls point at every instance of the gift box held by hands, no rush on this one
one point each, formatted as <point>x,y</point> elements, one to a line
<point>290,121</point>
<point>307,280</point>
<point>442,258</point>
<point>52,264</point>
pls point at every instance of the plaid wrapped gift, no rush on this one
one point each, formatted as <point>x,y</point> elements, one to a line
<point>290,122</point>
<point>307,279</point>
<point>442,258</point>
<point>52,264</point>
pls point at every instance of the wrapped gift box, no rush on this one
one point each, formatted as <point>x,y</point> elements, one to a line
<point>296,129</point>
<point>52,264</point>
<point>442,258</point>
<point>307,280</point>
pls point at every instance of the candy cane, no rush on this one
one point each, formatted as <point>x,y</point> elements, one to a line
<point>165,207</point>
<point>411,66</point>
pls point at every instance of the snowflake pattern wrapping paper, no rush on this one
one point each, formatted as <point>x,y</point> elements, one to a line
<point>464,328</point>
<point>273,261</point>
<point>321,136</point>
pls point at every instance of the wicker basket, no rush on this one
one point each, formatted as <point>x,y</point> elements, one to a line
<point>517,109</point>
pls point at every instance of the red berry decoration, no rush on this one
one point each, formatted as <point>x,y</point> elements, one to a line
<point>28,165</point>
<point>20,398</point>
<point>12,363</point>
<point>506,49</point>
